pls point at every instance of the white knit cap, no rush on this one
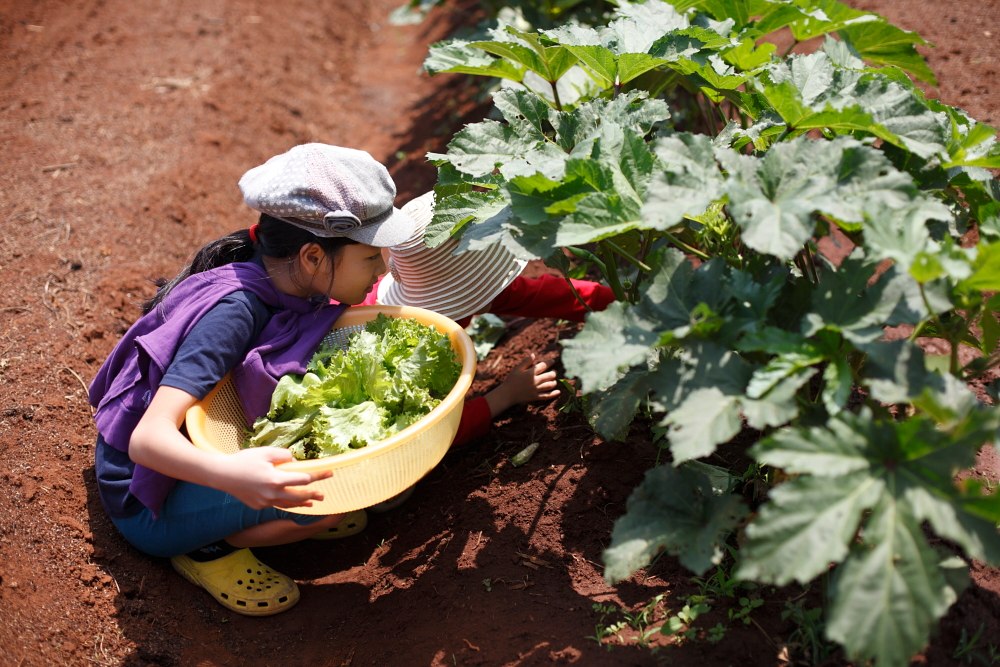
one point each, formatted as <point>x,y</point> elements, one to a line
<point>456,286</point>
<point>329,191</point>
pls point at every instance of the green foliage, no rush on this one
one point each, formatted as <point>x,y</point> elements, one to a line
<point>807,641</point>
<point>971,652</point>
<point>639,625</point>
<point>389,375</point>
<point>681,624</point>
<point>764,220</point>
<point>677,511</point>
<point>485,330</point>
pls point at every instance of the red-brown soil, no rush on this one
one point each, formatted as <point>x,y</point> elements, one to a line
<point>125,126</point>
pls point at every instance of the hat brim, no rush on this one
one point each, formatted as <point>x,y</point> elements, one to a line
<point>450,298</point>
<point>393,230</point>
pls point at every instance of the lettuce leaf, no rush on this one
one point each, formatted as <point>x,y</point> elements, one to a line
<point>389,376</point>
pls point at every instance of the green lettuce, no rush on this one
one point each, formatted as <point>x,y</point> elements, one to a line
<point>391,374</point>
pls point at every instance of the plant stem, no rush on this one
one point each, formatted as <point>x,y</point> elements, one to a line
<point>555,95</point>
<point>624,253</point>
<point>576,294</point>
<point>934,317</point>
<point>645,240</point>
<point>705,116</point>
<point>686,248</point>
<point>811,265</point>
<point>611,270</point>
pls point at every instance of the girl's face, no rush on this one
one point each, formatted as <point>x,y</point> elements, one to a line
<point>354,272</point>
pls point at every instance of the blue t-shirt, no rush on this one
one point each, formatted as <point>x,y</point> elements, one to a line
<point>215,344</point>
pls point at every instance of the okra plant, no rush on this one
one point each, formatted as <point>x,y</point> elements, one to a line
<point>782,232</point>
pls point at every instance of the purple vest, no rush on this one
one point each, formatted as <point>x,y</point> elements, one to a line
<point>126,382</point>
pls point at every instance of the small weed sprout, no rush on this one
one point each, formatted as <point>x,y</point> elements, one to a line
<point>807,640</point>
<point>642,621</point>
<point>716,633</point>
<point>968,649</point>
<point>747,605</point>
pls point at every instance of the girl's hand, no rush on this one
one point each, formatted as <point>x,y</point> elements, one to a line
<point>252,476</point>
<point>529,381</point>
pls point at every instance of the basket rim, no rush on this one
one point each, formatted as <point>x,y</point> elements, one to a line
<point>196,417</point>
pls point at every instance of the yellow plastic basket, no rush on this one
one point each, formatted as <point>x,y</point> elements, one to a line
<point>372,474</point>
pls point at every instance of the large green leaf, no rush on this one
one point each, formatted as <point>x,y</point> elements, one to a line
<point>459,57</point>
<point>710,73</point>
<point>638,26</point>
<point>972,144</point>
<point>891,587</point>
<point>889,594</point>
<point>895,371</point>
<point>672,510</point>
<point>527,114</point>
<point>698,365</point>
<point>525,49</point>
<point>868,183</point>
<point>773,198</point>
<point>748,55</point>
<point>631,111</point>
<point>779,405</point>
<point>986,270</point>
<point>611,411</point>
<point>619,52</point>
<point>621,336</point>
<point>882,43</point>
<point>681,297</point>
<point>453,212</point>
<point>807,524</point>
<point>705,419</point>
<point>958,520</point>
<point>798,365</point>
<point>686,181</point>
<point>480,148</point>
<point>901,234</point>
<point>837,450</point>
<point>801,118</point>
<point>849,301</point>
<point>899,110</point>
<point>811,92</point>
<point>612,341</point>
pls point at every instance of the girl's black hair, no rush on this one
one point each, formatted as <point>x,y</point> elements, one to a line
<point>275,238</point>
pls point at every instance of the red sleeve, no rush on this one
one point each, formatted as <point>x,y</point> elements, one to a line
<point>476,421</point>
<point>551,296</point>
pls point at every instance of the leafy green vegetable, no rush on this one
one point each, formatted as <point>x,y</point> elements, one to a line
<point>765,221</point>
<point>485,330</point>
<point>392,373</point>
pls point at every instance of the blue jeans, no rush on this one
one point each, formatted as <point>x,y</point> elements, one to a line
<point>194,516</point>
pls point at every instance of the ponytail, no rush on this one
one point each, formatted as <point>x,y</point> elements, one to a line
<point>273,237</point>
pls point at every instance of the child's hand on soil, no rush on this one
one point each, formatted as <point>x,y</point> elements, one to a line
<point>529,381</point>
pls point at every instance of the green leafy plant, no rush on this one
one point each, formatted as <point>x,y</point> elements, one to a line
<point>716,633</point>
<point>970,651</point>
<point>681,625</point>
<point>781,232</point>
<point>392,373</point>
<point>807,640</point>
<point>745,608</point>
<point>642,622</point>
<point>485,330</point>
<point>605,630</point>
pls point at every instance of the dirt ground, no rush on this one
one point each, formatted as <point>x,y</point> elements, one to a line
<point>125,126</point>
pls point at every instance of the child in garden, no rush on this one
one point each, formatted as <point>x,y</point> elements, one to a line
<point>256,303</point>
<point>483,281</point>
